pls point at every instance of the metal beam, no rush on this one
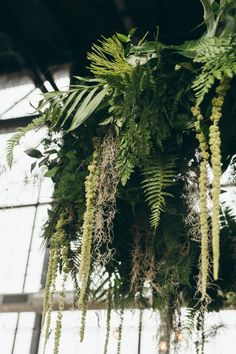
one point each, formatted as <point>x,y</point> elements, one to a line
<point>10,124</point>
<point>34,347</point>
<point>33,302</point>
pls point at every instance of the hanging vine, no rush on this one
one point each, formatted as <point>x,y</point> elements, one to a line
<point>128,204</point>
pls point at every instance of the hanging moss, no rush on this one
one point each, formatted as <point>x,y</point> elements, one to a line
<point>105,205</point>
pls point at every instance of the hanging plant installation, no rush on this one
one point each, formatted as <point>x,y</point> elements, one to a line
<point>137,173</point>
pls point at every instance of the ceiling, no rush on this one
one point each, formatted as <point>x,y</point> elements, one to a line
<point>37,35</point>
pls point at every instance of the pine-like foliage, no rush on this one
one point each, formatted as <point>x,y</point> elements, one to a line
<point>157,177</point>
<point>218,57</point>
<point>108,60</point>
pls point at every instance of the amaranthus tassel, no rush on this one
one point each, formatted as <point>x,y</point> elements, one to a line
<point>203,200</point>
<point>214,143</point>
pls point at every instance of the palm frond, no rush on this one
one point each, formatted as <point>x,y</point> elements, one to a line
<point>74,106</point>
<point>88,106</point>
<point>157,177</point>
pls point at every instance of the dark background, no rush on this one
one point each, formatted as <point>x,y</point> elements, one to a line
<point>36,35</point>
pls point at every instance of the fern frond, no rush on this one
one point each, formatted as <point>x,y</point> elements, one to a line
<point>156,178</point>
<point>11,143</point>
<point>15,139</point>
<point>218,56</point>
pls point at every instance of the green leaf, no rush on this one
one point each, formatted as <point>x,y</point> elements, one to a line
<point>122,37</point>
<point>142,40</point>
<point>34,153</point>
<point>88,106</point>
<point>43,161</point>
<point>52,172</point>
<point>132,32</point>
<point>187,49</point>
<point>51,151</point>
<point>107,121</point>
<point>50,213</point>
<point>88,79</point>
<point>32,167</point>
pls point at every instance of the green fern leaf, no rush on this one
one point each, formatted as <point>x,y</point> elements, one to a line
<point>11,143</point>
<point>156,179</point>
<point>15,139</point>
<point>218,59</point>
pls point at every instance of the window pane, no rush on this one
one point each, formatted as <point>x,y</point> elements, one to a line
<point>15,230</point>
<point>223,342</point>
<point>7,331</point>
<point>18,186</point>
<point>8,325</point>
<point>18,96</point>
<point>24,333</point>
<point>36,257</point>
<point>19,233</point>
<point>95,333</point>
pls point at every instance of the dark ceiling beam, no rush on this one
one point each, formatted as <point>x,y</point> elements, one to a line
<point>10,124</point>
<point>35,70</point>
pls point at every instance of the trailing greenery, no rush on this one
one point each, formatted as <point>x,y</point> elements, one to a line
<point>131,151</point>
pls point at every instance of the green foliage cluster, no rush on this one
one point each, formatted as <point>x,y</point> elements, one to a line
<point>141,97</point>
